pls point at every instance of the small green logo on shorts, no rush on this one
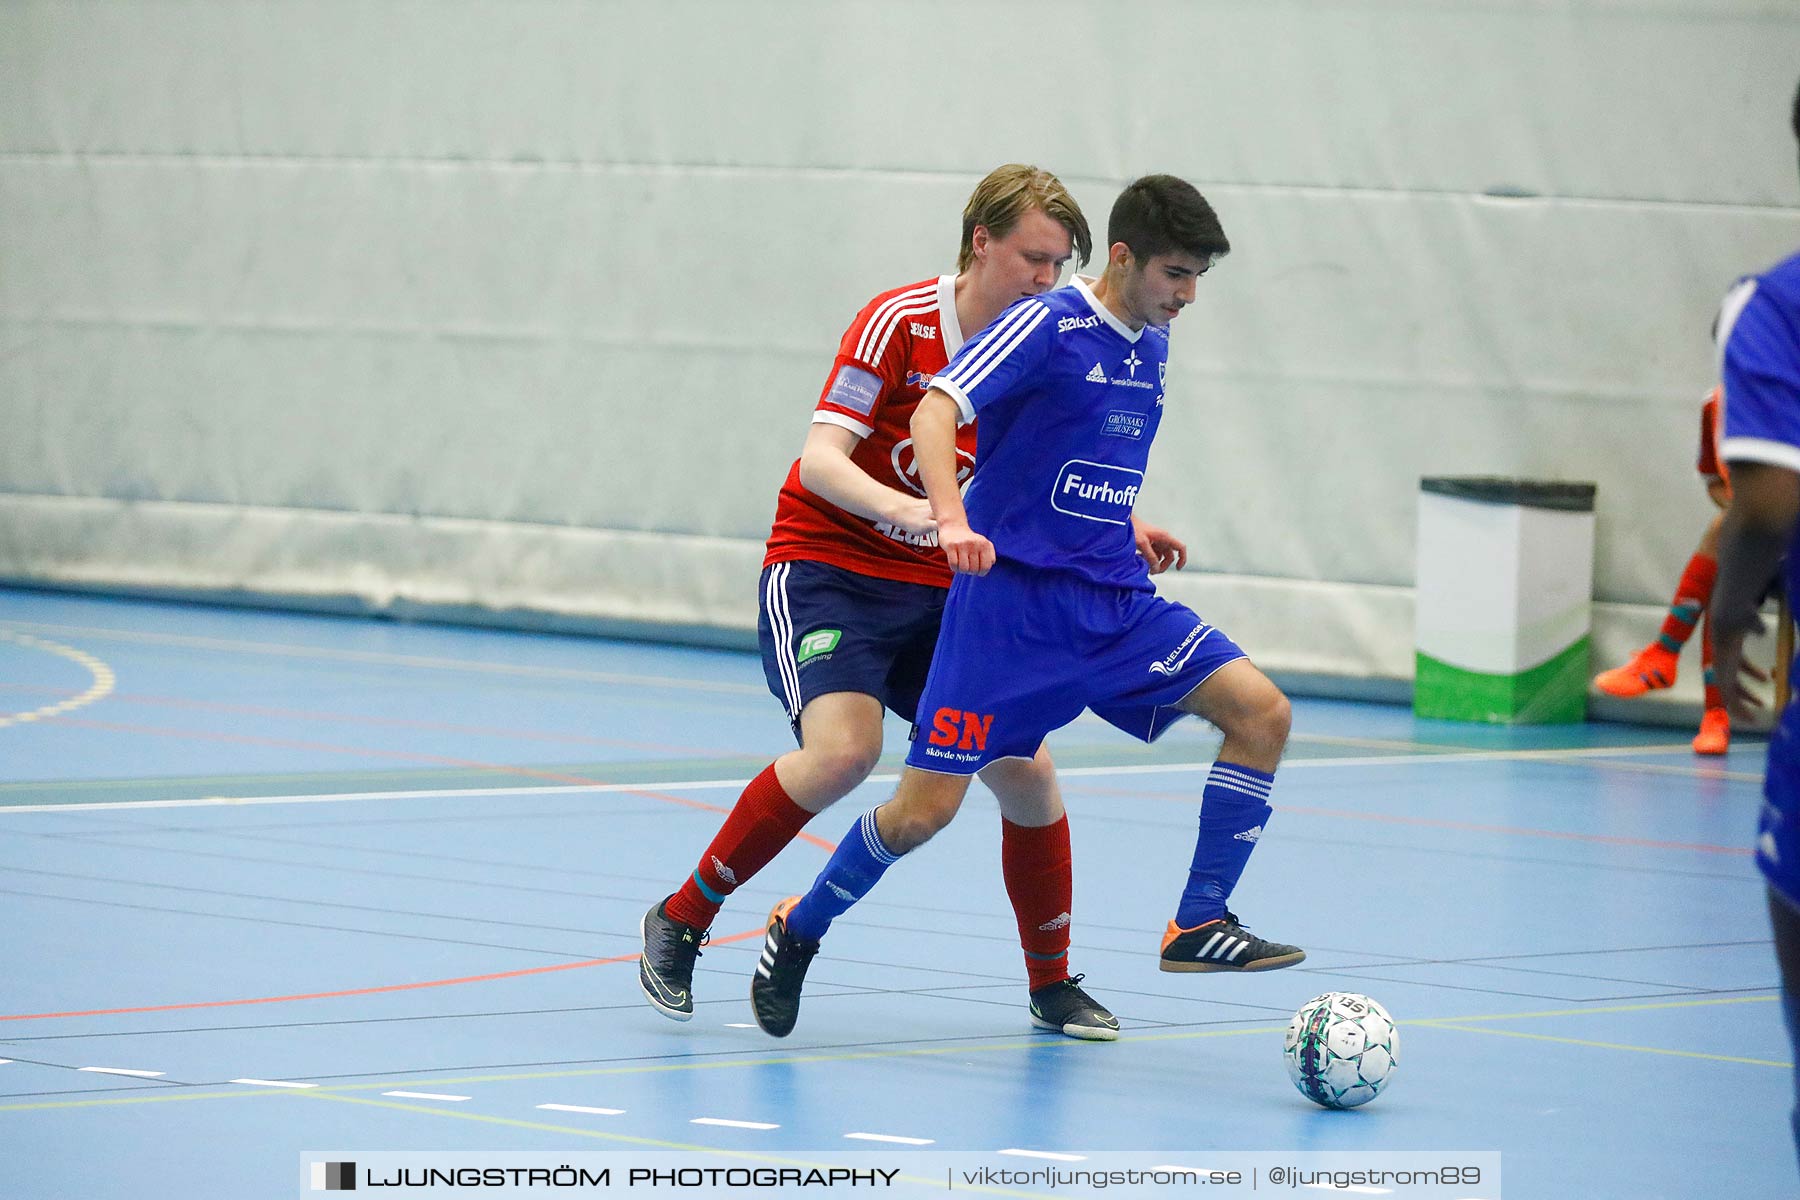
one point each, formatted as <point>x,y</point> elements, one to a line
<point>819,641</point>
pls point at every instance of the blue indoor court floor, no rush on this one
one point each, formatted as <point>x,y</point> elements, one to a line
<point>402,864</point>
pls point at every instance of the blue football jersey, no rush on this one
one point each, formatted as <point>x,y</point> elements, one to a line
<point>1759,347</point>
<point>1069,399</point>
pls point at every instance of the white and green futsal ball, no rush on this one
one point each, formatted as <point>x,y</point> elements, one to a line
<point>1341,1049</point>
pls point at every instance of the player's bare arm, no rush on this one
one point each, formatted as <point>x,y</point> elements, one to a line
<point>934,451</point>
<point>828,471</point>
<point>1764,504</point>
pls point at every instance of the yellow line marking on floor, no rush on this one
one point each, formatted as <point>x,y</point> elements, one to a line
<point>1027,1042</point>
<point>1569,1041</point>
<point>103,684</point>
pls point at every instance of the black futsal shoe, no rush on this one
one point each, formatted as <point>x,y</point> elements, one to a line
<point>1223,945</point>
<point>1064,1007</point>
<point>666,966</point>
<point>780,972</point>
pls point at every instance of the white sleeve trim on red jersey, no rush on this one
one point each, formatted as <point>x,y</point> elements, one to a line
<point>1761,450</point>
<point>823,416</point>
<point>886,318</point>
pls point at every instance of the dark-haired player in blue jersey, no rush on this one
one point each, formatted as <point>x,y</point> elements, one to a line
<point>1759,351</point>
<point>1052,611</point>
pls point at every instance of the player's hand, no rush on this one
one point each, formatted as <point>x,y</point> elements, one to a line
<point>1731,668</point>
<point>913,514</point>
<point>969,553</point>
<point>1158,547</point>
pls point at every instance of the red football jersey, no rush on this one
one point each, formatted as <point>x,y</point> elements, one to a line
<point>889,355</point>
<point>1710,464</point>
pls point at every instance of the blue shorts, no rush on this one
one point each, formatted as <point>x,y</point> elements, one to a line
<point>1778,831</point>
<point>825,629</point>
<point>1022,652</point>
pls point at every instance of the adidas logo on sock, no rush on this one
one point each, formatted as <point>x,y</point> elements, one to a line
<point>1059,921</point>
<point>1252,834</point>
<point>723,872</point>
<point>843,894</point>
<point>1096,375</point>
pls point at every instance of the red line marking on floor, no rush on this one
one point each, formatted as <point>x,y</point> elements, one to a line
<point>368,991</point>
<point>1605,839</point>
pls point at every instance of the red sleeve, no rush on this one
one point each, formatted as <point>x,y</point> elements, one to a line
<point>871,360</point>
<point>1709,464</point>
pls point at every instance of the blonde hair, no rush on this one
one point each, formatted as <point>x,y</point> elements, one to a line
<point>1007,194</point>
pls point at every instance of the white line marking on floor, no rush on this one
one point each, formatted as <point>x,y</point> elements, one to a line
<point>103,684</point>
<point>279,650</point>
<point>889,1137</point>
<point>122,1071</point>
<point>274,1083</point>
<point>1044,1154</point>
<point>578,1108</point>
<point>4,1061</point>
<point>427,1096</point>
<point>1577,756</point>
<point>731,1124</point>
<point>739,1025</point>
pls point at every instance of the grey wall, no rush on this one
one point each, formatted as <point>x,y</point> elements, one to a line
<point>519,307</point>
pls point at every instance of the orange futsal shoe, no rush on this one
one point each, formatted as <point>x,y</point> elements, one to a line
<point>1651,668</point>
<point>1715,732</point>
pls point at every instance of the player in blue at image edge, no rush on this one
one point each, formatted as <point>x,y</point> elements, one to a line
<point>1052,610</point>
<point>1758,335</point>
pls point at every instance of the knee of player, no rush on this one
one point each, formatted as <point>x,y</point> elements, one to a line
<point>1269,720</point>
<point>845,764</point>
<point>914,822</point>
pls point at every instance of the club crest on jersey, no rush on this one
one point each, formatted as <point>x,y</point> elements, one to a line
<point>1096,491</point>
<point>906,467</point>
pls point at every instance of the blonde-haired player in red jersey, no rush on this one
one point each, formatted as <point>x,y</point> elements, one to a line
<point>852,595</point>
<point>1653,667</point>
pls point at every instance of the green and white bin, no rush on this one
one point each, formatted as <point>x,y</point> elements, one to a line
<point>1505,591</point>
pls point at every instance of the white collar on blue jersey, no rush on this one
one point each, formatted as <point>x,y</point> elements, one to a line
<point>947,319</point>
<point>1082,284</point>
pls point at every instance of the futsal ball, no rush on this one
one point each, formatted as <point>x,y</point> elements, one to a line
<point>1341,1049</point>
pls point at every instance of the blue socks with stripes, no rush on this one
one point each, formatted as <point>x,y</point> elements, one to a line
<point>855,867</point>
<point>1234,808</point>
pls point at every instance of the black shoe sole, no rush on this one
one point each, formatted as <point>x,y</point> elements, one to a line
<point>1267,964</point>
<point>1087,1033</point>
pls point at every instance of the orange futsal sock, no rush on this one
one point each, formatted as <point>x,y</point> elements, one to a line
<point>1691,598</point>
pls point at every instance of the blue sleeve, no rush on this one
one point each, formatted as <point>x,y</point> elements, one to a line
<point>1761,374</point>
<point>997,361</point>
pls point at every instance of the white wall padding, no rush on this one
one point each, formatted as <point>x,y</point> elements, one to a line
<point>520,306</point>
